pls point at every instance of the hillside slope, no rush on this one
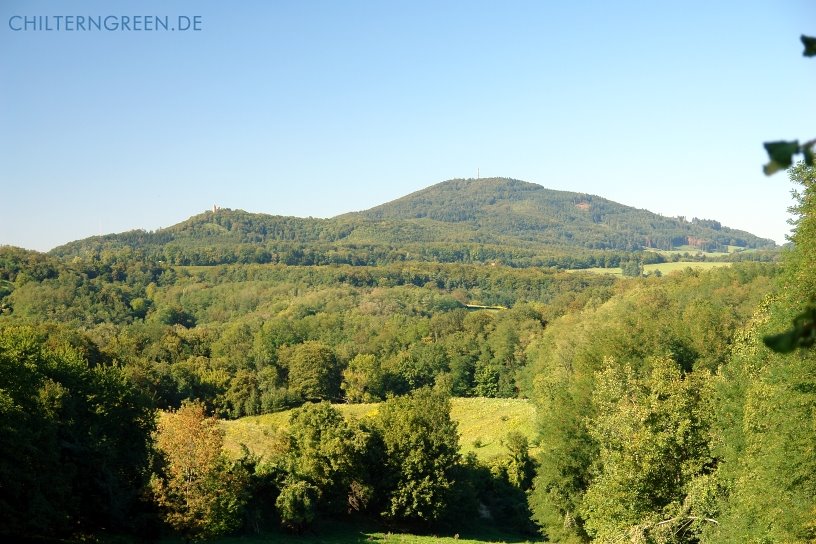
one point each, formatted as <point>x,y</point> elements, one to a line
<point>456,220</point>
<point>506,207</point>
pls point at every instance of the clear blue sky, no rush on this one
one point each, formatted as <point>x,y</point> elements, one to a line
<point>316,108</point>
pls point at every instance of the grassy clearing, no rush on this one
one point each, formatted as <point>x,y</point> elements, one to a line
<point>263,435</point>
<point>483,424</point>
<point>350,532</point>
<point>665,268</point>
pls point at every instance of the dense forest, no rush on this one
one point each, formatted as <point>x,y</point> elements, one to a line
<point>494,220</point>
<point>662,416</point>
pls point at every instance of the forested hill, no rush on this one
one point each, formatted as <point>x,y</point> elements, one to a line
<point>462,220</point>
<point>527,211</point>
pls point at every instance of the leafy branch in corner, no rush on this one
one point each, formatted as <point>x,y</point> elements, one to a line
<point>803,332</point>
<point>781,153</point>
<point>801,335</point>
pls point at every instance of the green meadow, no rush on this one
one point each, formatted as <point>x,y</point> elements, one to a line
<point>483,424</point>
<point>664,268</point>
<point>339,532</point>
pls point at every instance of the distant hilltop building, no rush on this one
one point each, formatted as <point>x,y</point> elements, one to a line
<point>216,208</point>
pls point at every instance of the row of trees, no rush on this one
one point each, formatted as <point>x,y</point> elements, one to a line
<point>525,255</point>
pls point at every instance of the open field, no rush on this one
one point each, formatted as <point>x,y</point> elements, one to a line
<point>665,268</point>
<point>483,424</point>
<point>370,533</point>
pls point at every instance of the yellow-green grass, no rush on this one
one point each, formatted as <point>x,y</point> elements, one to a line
<point>262,435</point>
<point>359,532</point>
<point>373,537</point>
<point>483,424</point>
<point>665,268</point>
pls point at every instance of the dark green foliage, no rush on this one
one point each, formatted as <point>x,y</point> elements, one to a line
<point>108,287</point>
<point>173,315</point>
<point>312,369</point>
<point>75,440</point>
<point>781,155</point>
<point>387,304</point>
<point>323,466</point>
<point>519,466</point>
<point>529,212</point>
<point>297,504</point>
<point>418,366</point>
<point>799,282</point>
<point>482,492</point>
<point>225,334</point>
<point>687,319</point>
<point>766,485</point>
<point>632,268</point>
<point>810,46</point>
<point>801,335</point>
<point>421,451</point>
<point>641,443</point>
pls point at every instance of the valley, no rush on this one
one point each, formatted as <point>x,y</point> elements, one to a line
<point>553,365</point>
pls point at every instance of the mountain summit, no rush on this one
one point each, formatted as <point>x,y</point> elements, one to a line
<point>503,207</point>
<point>508,215</point>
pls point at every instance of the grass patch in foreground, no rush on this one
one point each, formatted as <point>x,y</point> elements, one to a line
<point>346,532</point>
<point>483,424</point>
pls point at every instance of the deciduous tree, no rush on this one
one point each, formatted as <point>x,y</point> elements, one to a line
<point>200,493</point>
<point>421,446</point>
<point>323,465</point>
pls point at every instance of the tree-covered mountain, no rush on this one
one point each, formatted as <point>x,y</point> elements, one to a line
<point>502,207</point>
<point>462,220</point>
